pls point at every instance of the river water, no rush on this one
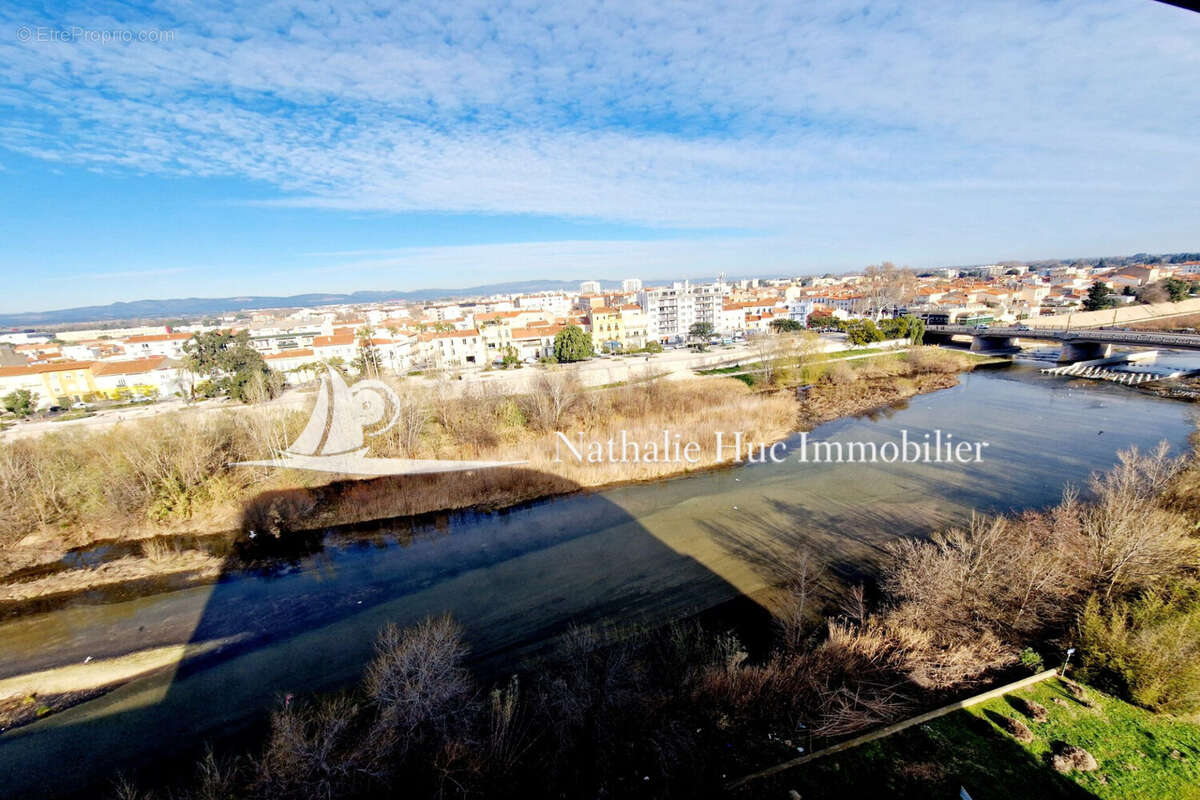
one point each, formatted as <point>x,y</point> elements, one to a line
<point>517,579</point>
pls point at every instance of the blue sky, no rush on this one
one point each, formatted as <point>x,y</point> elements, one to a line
<point>282,147</point>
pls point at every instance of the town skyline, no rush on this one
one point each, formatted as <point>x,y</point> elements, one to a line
<point>155,308</point>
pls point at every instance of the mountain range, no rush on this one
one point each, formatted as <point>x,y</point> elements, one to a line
<point>145,310</point>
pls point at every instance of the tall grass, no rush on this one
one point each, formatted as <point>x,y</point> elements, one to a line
<point>841,387</point>
<point>171,473</point>
<point>69,487</point>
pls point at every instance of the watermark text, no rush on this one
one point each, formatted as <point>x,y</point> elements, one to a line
<point>74,34</point>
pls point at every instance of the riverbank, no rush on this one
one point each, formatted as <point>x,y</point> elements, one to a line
<point>1136,754</point>
<point>143,501</point>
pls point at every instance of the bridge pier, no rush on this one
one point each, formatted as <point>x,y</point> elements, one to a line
<point>981,343</point>
<point>1084,351</point>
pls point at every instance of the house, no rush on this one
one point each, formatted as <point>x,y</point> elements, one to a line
<point>394,351</point>
<point>799,310</point>
<point>452,348</point>
<point>158,344</point>
<point>52,383</point>
<point>289,363</point>
<point>140,377</point>
<point>342,345</point>
<point>535,343</point>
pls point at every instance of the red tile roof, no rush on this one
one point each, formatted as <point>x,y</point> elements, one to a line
<point>158,337</point>
<point>35,369</point>
<point>127,367</point>
<point>298,353</point>
<point>331,341</point>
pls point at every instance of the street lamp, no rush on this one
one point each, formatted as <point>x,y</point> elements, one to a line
<point>1067,660</point>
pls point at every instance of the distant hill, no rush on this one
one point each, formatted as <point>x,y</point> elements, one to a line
<point>193,306</point>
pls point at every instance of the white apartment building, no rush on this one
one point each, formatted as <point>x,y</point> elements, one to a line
<point>631,285</point>
<point>672,310</point>
<point>799,310</point>
<point>555,304</point>
<point>25,337</point>
<point>589,287</point>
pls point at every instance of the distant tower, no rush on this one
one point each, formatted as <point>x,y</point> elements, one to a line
<point>589,287</point>
<point>630,285</point>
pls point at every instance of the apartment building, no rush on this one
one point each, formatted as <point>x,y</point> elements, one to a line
<point>556,304</point>
<point>617,328</point>
<point>672,310</point>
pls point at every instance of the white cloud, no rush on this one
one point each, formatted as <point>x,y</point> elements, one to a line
<point>778,117</point>
<point>465,265</point>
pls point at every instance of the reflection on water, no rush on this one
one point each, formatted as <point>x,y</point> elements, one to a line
<point>517,579</point>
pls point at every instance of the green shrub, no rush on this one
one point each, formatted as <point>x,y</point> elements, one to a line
<point>1032,660</point>
<point>1146,649</point>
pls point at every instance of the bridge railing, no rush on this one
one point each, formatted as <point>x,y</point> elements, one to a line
<point>1089,335</point>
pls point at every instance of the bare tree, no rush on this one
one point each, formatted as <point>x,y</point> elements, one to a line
<point>774,358</point>
<point>1131,539</point>
<point>412,417</point>
<point>887,286</point>
<point>418,677</point>
<point>554,393</point>
<point>792,612</point>
<point>802,348</point>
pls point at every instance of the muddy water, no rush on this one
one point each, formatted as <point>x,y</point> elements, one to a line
<point>517,579</point>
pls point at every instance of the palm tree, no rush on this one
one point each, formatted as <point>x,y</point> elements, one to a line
<point>368,357</point>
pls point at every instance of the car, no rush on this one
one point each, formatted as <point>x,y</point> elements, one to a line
<point>81,405</point>
<point>981,327</point>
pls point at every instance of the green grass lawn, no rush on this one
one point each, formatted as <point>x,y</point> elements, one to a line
<point>817,358</point>
<point>1141,755</point>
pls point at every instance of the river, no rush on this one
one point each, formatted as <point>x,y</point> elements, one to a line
<point>517,579</point>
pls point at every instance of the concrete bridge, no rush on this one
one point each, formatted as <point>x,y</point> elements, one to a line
<point>1077,345</point>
